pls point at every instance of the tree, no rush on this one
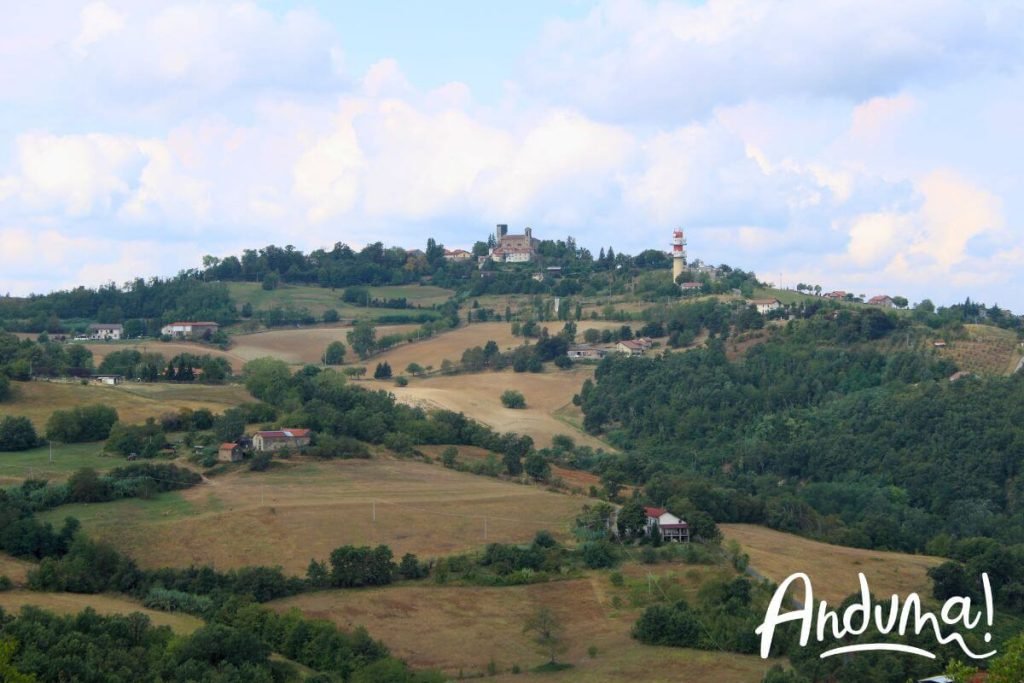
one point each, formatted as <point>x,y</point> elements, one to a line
<point>230,425</point>
<point>267,379</point>
<point>547,632</point>
<point>330,316</point>
<point>363,338</point>
<point>1009,667</point>
<point>632,519</point>
<point>511,398</point>
<point>17,434</point>
<point>536,466</point>
<point>900,301</point>
<point>383,371</point>
<point>414,369</point>
<point>5,388</point>
<point>85,486</point>
<point>271,281</point>
<point>449,456</point>
<point>335,353</point>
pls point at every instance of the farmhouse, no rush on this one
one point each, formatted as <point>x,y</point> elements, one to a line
<point>514,248</point>
<point>668,525</point>
<point>229,452</point>
<point>195,330</point>
<point>585,352</point>
<point>457,255</point>
<point>765,306</point>
<point>632,347</point>
<point>838,294</point>
<point>106,332</point>
<point>882,300</point>
<point>283,438</point>
<point>691,286</point>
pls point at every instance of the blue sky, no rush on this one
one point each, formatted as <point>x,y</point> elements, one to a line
<point>861,145</point>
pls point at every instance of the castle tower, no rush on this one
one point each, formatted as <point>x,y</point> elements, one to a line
<point>678,254</point>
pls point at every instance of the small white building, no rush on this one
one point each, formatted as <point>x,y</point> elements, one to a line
<point>765,306</point>
<point>631,347</point>
<point>106,332</point>
<point>195,330</point>
<point>668,525</point>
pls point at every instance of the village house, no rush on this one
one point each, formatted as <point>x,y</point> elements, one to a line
<point>691,286</point>
<point>457,255</point>
<point>108,379</point>
<point>106,332</point>
<point>765,306</point>
<point>882,300</point>
<point>514,248</point>
<point>632,347</point>
<point>585,352</point>
<point>276,440</point>
<point>668,525</point>
<point>229,452</point>
<point>838,294</point>
<point>195,330</point>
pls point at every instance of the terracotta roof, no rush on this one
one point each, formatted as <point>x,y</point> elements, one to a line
<point>228,446</point>
<point>655,512</point>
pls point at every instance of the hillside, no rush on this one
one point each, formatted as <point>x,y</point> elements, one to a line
<point>302,509</point>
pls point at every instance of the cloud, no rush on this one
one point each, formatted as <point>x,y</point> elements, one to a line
<point>635,60</point>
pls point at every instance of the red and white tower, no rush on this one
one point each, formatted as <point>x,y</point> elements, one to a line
<point>678,254</point>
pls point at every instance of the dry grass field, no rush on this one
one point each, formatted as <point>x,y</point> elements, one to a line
<point>319,299</point>
<point>101,350</point>
<point>448,345</point>
<point>133,401</point>
<point>14,569</point>
<point>479,397</point>
<point>465,628</point>
<point>72,603</point>
<point>302,345</point>
<point>303,509</point>
<point>832,569</point>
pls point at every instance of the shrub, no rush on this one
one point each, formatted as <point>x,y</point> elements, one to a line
<point>260,462</point>
<point>511,398</point>
<point>17,434</point>
<point>402,381</point>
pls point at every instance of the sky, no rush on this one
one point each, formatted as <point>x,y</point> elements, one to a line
<point>864,145</point>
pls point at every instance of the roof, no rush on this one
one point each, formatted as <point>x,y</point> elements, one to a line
<point>879,299</point>
<point>655,512</point>
<point>228,446</point>
<point>193,323</point>
<point>106,326</point>
<point>633,344</point>
<point>762,302</point>
<point>284,434</point>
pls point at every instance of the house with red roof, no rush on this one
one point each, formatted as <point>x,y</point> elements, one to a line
<point>275,440</point>
<point>882,300</point>
<point>229,452</point>
<point>668,525</point>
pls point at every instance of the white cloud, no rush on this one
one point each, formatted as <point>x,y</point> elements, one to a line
<point>636,60</point>
<point>98,21</point>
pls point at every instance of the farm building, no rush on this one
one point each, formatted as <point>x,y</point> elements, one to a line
<point>457,255</point>
<point>585,352</point>
<point>106,332</point>
<point>194,330</point>
<point>669,526</point>
<point>882,300</point>
<point>282,438</point>
<point>229,452</point>
<point>631,347</point>
<point>765,306</point>
<point>108,379</point>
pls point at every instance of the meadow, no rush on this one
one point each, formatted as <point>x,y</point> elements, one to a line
<point>303,509</point>
<point>479,397</point>
<point>832,569</point>
<point>319,299</point>
<point>134,401</point>
<point>468,629</point>
<point>71,603</point>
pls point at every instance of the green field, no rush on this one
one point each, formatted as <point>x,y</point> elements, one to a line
<point>319,299</point>
<point>66,459</point>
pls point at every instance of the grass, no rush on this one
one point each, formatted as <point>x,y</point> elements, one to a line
<point>466,628</point>
<point>319,299</point>
<point>305,508</point>
<point>987,350</point>
<point>478,396</point>
<point>67,458</point>
<point>133,401</point>
<point>832,569</point>
<point>14,569</point>
<point>303,345</point>
<point>71,603</point>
